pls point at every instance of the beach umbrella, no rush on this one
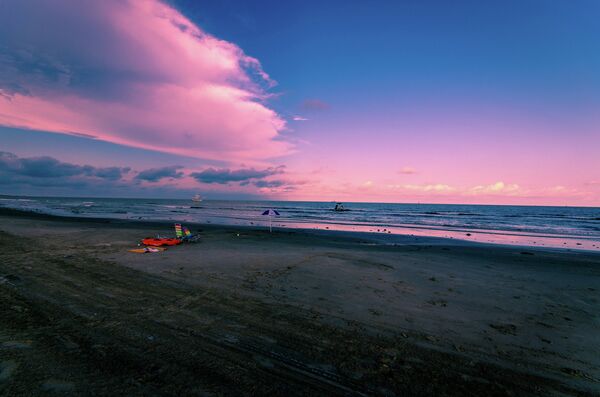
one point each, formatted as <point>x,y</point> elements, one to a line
<point>271,213</point>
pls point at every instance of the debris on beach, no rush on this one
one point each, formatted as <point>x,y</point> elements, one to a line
<point>6,369</point>
<point>146,250</point>
<point>506,329</point>
<point>56,385</point>
<point>9,279</point>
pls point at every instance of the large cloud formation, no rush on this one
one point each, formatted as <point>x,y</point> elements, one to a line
<point>133,72</point>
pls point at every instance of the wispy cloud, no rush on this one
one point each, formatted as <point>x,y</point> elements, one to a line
<point>315,104</point>
<point>438,187</point>
<point>141,82</point>
<point>498,188</point>
<point>495,188</point>
<point>299,118</point>
<point>407,171</point>
<point>156,174</point>
<point>270,184</point>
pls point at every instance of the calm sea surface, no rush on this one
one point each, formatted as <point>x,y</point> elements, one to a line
<point>570,227</point>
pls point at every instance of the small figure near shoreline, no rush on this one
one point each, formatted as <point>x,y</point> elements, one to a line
<point>340,207</point>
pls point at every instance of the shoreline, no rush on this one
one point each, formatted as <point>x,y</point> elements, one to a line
<point>366,236</point>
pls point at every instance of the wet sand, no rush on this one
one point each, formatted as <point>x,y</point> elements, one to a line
<point>245,312</point>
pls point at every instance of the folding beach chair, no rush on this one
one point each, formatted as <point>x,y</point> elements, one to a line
<point>184,234</point>
<point>178,231</point>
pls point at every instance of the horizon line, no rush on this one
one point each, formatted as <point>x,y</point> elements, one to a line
<point>2,195</point>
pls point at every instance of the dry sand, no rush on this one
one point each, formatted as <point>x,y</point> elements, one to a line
<point>245,312</point>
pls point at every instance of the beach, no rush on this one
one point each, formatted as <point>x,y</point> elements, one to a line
<point>543,226</point>
<point>248,312</point>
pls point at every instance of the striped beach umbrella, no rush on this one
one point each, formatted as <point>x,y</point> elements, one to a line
<point>270,213</point>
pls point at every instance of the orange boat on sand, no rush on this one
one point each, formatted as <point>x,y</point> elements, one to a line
<point>157,242</point>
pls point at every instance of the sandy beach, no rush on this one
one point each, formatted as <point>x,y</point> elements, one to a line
<point>246,312</point>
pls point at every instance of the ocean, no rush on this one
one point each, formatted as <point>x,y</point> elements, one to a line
<point>564,227</point>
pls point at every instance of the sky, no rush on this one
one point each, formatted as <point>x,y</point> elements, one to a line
<point>392,101</point>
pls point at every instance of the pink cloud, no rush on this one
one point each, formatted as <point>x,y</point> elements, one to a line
<point>314,104</point>
<point>135,73</point>
<point>495,188</point>
<point>433,188</point>
<point>408,170</point>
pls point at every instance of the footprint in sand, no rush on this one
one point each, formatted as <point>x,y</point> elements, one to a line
<point>545,340</point>
<point>12,344</point>
<point>506,329</point>
<point>7,368</point>
<point>263,361</point>
<point>56,385</point>
<point>439,302</point>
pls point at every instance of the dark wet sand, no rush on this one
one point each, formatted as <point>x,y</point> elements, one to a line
<point>245,312</point>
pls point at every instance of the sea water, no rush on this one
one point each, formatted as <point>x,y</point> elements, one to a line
<point>566,227</point>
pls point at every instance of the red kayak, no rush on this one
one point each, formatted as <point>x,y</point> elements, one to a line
<point>157,242</point>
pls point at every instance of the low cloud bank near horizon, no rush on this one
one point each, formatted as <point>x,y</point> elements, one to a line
<point>243,176</point>
<point>48,172</point>
<point>156,174</point>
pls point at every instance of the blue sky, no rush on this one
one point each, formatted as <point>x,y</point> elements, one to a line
<point>465,93</point>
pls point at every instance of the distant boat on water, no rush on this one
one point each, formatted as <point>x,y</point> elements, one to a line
<point>196,201</point>
<point>339,207</point>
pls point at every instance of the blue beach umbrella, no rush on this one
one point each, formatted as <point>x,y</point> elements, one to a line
<point>270,213</point>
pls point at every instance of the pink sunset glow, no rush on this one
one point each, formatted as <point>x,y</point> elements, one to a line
<point>147,75</point>
<point>170,86</point>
